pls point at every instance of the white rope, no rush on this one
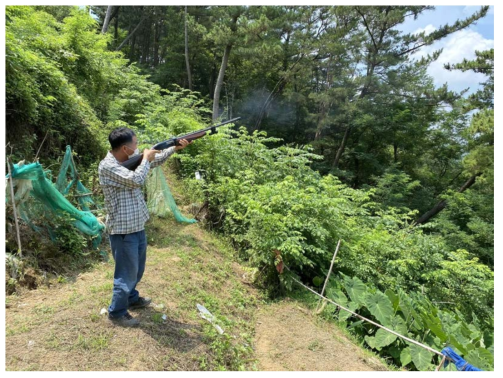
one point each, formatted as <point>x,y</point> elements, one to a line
<point>368,320</point>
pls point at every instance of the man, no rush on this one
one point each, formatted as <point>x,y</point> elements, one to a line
<point>127,214</point>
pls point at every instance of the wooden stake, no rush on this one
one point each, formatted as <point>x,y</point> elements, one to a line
<point>40,147</point>
<point>441,364</point>
<point>19,250</point>
<point>329,272</point>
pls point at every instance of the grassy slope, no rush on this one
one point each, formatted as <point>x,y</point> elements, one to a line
<point>60,327</point>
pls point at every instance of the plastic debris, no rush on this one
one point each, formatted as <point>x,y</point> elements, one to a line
<point>31,343</point>
<point>164,317</point>
<point>205,314</point>
<point>461,364</point>
<point>103,311</point>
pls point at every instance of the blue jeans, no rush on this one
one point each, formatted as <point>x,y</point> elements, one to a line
<point>130,253</point>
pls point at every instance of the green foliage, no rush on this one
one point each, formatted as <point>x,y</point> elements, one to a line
<point>414,316</point>
<point>339,79</point>
<point>42,96</point>
<point>67,237</point>
<point>268,199</point>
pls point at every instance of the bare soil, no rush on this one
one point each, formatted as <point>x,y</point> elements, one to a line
<point>289,337</point>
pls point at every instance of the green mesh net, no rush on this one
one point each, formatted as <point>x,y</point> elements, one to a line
<point>83,194</point>
<point>160,201</point>
<point>36,195</point>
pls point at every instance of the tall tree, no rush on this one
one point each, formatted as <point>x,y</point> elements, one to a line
<point>386,48</point>
<point>479,159</point>
<point>189,77</point>
<point>107,19</point>
<point>224,34</point>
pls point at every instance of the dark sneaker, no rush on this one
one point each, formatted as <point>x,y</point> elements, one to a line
<point>140,303</point>
<point>125,321</point>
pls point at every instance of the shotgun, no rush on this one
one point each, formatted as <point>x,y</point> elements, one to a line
<point>135,161</point>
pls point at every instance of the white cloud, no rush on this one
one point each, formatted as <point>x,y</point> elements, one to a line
<point>428,29</point>
<point>456,47</point>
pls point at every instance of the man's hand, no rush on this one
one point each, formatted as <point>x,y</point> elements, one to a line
<point>149,154</point>
<point>183,143</point>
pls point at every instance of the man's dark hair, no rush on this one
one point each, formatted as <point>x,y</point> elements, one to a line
<point>120,136</point>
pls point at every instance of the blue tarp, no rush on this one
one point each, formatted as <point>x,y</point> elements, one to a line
<point>460,363</point>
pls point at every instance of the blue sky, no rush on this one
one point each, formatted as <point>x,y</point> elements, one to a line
<point>456,46</point>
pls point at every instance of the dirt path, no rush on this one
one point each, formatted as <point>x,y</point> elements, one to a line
<point>288,337</point>
<point>61,327</point>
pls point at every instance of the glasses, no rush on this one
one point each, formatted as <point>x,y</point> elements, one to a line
<point>132,145</point>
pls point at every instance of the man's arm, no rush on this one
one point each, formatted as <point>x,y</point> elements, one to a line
<point>118,176</point>
<point>162,157</point>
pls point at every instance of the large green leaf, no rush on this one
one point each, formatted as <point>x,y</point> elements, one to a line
<point>458,340</point>
<point>481,358</point>
<point>337,296</point>
<point>343,314</point>
<point>397,324</point>
<point>340,298</point>
<point>380,307</point>
<point>433,341</point>
<point>421,357</point>
<point>407,307</point>
<point>355,324</point>
<point>435,325</point>
<point>394,298</point>
<point>394,351</point>
<point>317,281</point>
<point>384,338</point>
<point>371,341</point>
<point>356,289</point>
<point>488,338</point>
<point>405,357</point>
<point>456,346</point>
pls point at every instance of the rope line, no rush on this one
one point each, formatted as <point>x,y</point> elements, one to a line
<point>368,320</point>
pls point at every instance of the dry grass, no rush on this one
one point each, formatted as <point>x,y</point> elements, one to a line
<point>289,337</point>
<point>60,328</point>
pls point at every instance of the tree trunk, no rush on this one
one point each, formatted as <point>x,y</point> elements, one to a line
<point>232,102</point>
<point>220,80</point>
<point>189,77</point>
<point>116,25</point>
<point>131,34</point>
<point>335,164</point>
<point>132,51</point>
<point>211,82</point>
<point>107,19</point>
<point>324,106</point>
<point>442,204</point>
<point>163,54</point>
<point>146,44</point>
<point>157,35</point>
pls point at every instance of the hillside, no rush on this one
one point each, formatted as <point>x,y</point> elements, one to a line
<point>59,326</point>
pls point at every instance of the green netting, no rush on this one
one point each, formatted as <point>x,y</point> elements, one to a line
<point>160,201</point>
<point>31,182</point>
<point>35,194</point>
<point>83,194</point>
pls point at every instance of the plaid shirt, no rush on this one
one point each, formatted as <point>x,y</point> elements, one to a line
<point>127,210</point>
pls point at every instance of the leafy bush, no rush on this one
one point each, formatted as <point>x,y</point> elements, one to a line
<point>270,199</point>
<point>413,316</point>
